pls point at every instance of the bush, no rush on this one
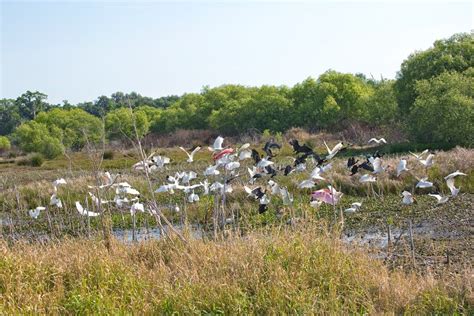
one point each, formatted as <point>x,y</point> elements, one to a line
<point>36,160</point>
<point>108,155</point>
<point>38,137</point>
<point>4,144</point>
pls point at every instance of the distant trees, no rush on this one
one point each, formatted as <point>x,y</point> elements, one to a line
<point>455,54</point>
<point>432,96</point>
<point>444,109</point>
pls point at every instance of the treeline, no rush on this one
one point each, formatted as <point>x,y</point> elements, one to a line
<point>432,99</point>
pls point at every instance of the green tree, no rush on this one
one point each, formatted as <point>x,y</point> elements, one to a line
<point>453,54</point>
<point>30,104</point>
<point>121,123</point>
<point>4,143</point>
<point>444,109</point>
<point>382,106</point>
<point>38,137</point>
<point>9,116</point>
<point>76,125</point>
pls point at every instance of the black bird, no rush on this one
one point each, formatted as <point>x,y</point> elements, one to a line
<point>288,170</point>
<point>351,162</point>
<point>256,156</point>
<point>297,148</point>
<point>377,154</point>
<point>270,170</point>
<point>367,166</point>
<point>262,208</point>
<point>269,146</point>
<point>231,179</point>
<point>258,193</point>
<point>354,169</point>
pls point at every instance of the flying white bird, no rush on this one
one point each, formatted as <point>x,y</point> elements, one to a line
<point>217,186</point>
<point>137,206</point>
<point>36,212</point>
<point>424,183</point>
<point>85,212</point>
<point>378,141</point>
<point>407,198</point>
<point>232,165</point>
<point>120,202</point>
<point>245,154</point>
<point>306,184</point>
<point>300,167</point>
<point>452,188</point>
<point>205,186</point>
<point>454,174</point>
<point>264,162</point>
<point>334,151</point>
<point>125,188</point>
<point>274,187</point>
<point>190,155</point>
<point>316,174</point>
<point>420,156</point>
<point>441,199</point>
<point>166,188</point>
<point>217,146</point>
<point>160,161</point>
<point>54,200</point>
<point>377,164</point>
<point>367,178</point>
<point>428,162</point>
<point>211,171</point>
<point>354,207</point>
<point>402,166</point>
<point>57,182</point>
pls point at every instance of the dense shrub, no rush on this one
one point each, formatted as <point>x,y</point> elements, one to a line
<point>37,137</point>
<point>4,143</point>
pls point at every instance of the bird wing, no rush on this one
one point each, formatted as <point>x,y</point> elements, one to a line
<point>185,151</point>
<point>218,142</point>
<point>383,140</point>
<point>437,196</point>
<point>327,148</point>
<point>79,208</point>
<point>198,148</point>
<point>373,140</point>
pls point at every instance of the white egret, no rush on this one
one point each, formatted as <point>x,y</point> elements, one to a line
<point>378,141</point>
<point>54,200</point>
<point>96,199</point>
<point>211,171</point>
<point>454,174</point>
<point>452,188</point>
<point>190,155</point>
<point>334,151</point>
<point>36,212</point>
<point>428,162</point>
<point>306,184</point>
<point>137,206</point>
<point>316,174</point>
<point>245,154</point>
<point>286,196</point>
<point>367,178</point>
<point>217,144</point>
<point>407,198</point>
<point>402,166</point>
<point>193,197</point>
<point>441,199</point>
<point>85,212</point>
<point>420,156</point>
<point>232,165</point>
<point>354,207</point>
<point>424,183</point>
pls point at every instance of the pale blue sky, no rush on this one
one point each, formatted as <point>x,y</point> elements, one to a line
<point>79,50</point>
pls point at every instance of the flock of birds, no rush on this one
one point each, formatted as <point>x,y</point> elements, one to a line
<point>218,178</point>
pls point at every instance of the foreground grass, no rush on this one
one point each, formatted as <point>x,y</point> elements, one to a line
<point>303,271</point>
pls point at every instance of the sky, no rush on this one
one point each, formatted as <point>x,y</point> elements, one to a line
<point>79,50</point>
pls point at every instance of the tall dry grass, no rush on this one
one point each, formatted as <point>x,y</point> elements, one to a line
<point>280,271</point>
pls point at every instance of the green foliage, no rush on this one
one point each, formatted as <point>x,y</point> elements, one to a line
<point>382,105</point>
<point>78,127</point>
<point>9,116</point>
<point>36,160</point>
<point>4,143</point>
<point>453,54</point>
<point>444,109</point>
<point>38,137</point>
<point>121,123</point>
<point>30,104</point>
<point>108,155</point>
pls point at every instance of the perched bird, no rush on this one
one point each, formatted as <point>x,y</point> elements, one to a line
<point>232,165</point>
<point>256,156</point>
<point>439,198</point>
<point>57,183</point>
<point>256,193</point>
<point>270,170</point>
<point>354,169</point>
<point>245,154</point>
<point>85,212</point>
<point>424,183</point>
<point>402,166</point>
<point>288,169</point>
<point>377,165</point>
<point>264,162</point>
<point>36,212</point>
<point>407,198</point>
<point>274,187</point>
<point>351,162</point>
<point>125,188</point>
<point>316,174</point>
<point>263,206</point>
<point>137,206</point>
<point>211,171</point>
<point>354,207</point>
<point>378,141</point>
<point>193,197</point>
<point>54,200</point>
<point>190,155</point>
<point>367,166</point>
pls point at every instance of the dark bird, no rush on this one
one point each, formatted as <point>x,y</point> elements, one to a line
<point>354,169</point>
<point>288,170</point>
<point>270,170</point>
<point>351,162</point>
<point>269,146</point>
<point>297,148</point>
<point>367,166</point>
<point>262,208</point>
<point>377,154</point>
<point>256,156</point>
